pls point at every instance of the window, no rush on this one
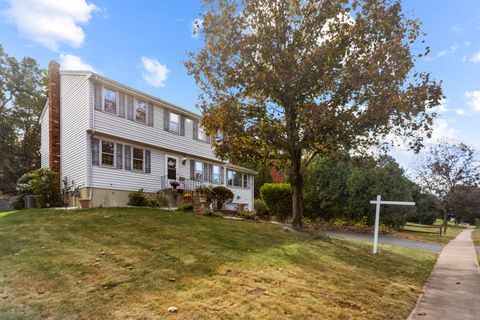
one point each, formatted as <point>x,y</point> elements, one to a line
<point>138,159</point>
<point>217,174</point>
<point>201,134</point>
<point>174,122</point>
<point>140,111</point>
<point>108,152</point>
<point>171,168</point>
<point>237,179</point>
<point>109,101</point>
<point>198,170</point>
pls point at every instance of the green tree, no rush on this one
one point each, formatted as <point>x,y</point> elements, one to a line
<point>447,166</point>
<point>288,80</point>
<point>22,98</point>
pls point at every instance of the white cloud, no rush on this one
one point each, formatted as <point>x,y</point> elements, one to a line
<point>473,99</point>
<point>448,51</point>
<point>457,30</point>
<point>441,130</point>
<point>460,112</point>
<point>442,107</point>
<point>196,27</point>
<point>154,73</point>
<point>51,22</point>
<point>475,58</point>
<point>71,62</point>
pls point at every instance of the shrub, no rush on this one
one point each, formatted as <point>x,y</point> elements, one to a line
<point>261,209</point>
<point>18,202</point>
<point>249,215</point>
<point>477,223</point>
<point>138,199</point>
<point>278,198</point>
<point>41,182</point>
<point>221,195</point>
<point>185,207</point>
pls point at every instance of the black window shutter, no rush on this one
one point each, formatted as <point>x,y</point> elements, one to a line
<point>119,161</point>
<point>121,105</point>
<point>150,114</point>
<point>98,96</point>
<point>222,174</point>
<point>166,120</point>
<point>128,158</point>
<point>192,169</point>
<point>95,152</point>
<point>130,107</point>
<point>195,129</point>
<point>148,161</point>
<point>182,125</point>
<point>209,139</point>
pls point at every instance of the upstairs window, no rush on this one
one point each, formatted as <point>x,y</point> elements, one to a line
<point>109,101</point>
<point>174,122</point>
<point>201,134</point>
<point>217,174</point>
<point>108,153</point>
<point>140,111</point>
<point>138,159</point>
<point>199,170</point>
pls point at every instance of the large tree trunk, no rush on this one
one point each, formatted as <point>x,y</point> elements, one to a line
<point>297,189</point>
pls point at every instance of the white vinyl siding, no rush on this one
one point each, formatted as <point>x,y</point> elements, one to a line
<point>155,135</point>
<point>75,101</point>
<point>45,139</point>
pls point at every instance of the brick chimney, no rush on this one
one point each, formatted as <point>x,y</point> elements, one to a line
<point>54,114</point>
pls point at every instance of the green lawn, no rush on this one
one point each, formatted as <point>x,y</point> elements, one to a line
<point>414,231</point>
<point>476,237</point>
<point>135,263</point>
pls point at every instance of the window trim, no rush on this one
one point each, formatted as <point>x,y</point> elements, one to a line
<point>166,166</point>
<point>135,100</point>
<point>117,100</point>
<point>114,154</point>
<point>133,159</point>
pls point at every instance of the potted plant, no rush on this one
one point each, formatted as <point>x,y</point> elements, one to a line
<point>174,184</point>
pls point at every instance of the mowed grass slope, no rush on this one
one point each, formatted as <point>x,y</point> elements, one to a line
<point>136,263</point>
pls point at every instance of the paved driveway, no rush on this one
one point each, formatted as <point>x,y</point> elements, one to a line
<point>396,241</point>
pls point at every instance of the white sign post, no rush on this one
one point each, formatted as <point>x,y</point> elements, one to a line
<point>379,202</point>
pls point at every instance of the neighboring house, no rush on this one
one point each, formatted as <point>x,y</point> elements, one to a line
<point>110,140</point>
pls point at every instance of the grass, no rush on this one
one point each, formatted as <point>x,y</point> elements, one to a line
<point>414,231</point>
<point>136,263</point>
<point>476,237</point>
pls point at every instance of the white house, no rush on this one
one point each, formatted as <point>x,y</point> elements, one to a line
<point>109,140</point>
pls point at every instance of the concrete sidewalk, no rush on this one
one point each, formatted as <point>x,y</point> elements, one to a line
<point>453,289</point>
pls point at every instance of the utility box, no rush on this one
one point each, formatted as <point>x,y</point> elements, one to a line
<point>31,201</point>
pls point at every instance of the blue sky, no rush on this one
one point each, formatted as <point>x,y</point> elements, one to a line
<point>143,43</point>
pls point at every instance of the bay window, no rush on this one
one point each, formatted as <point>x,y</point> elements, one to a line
<point>237,179</point>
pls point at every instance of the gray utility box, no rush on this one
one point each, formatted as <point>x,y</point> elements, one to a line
<point>31,202</point>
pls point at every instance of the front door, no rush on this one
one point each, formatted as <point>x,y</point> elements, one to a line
<point>172,168</point>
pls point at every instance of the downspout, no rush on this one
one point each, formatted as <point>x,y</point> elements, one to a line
<point>92,130</point>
